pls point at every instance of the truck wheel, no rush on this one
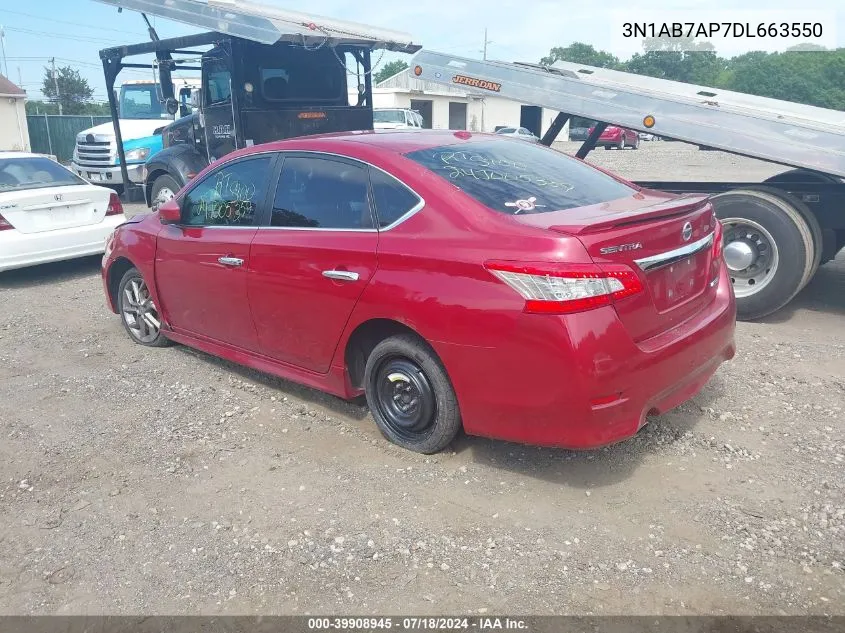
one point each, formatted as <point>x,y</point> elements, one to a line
<point>804,176</point>
<point>164,188</point>
<point>768,249</point>
<point>816,243</point>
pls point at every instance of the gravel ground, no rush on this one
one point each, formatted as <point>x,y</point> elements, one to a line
<point>166,481</point>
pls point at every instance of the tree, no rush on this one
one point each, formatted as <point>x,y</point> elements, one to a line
<point>678,59</point>
<point>580,53</point>
<point>388,70</point>
<point>74,91</point>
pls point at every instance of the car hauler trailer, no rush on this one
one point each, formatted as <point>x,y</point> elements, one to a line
<point>777,232</point>
<point>266,74</point>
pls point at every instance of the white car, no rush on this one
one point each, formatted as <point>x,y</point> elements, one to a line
<point>49,214</point>
<point>396,119</point>
<point>518,132</point>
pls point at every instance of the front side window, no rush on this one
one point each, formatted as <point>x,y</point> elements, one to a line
<point>34,172</point>
<point>219,88</point>
<point>516,177</point>
<point>392,198</point>
<point>229,196</point>
<point>322,193</point>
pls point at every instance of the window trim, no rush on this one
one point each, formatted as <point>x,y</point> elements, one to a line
<point>284,154</point>
<point>262,205</point>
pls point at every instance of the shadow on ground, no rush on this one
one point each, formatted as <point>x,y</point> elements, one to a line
<point>825,292</point>
<point>45,274</point>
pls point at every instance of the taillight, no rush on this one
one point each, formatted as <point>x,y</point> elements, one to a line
<point>562,289</point>
<point>718,251</point>
<point>4,224</point>
<point>115,207</point>
<point>718,237</point>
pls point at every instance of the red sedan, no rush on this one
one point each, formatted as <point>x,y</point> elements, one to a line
<point>460,281</point>
<point>618,137</point>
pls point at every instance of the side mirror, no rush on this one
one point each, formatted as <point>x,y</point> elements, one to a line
<point>172,106</point>
<point>169,212</point>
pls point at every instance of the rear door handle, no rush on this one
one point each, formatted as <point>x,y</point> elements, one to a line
<point>342,275</point>
<point>231,261</point>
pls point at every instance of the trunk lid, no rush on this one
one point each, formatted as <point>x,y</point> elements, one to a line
<point>54,208</point>
<point>666,240</point>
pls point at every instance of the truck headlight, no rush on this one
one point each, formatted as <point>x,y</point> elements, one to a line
<point>138,154</point>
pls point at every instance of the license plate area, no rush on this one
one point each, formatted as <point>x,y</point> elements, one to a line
<point>679,282</point>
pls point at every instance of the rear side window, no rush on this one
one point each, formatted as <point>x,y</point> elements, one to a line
<point>515,177</point>
<point>322,193</point>
<point>392,198</point>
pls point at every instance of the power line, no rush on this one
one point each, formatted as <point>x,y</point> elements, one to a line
<point>76,38</point>
<point>87,26</point>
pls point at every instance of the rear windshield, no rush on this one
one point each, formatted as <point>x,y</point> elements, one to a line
<point>513,176</point>
<point>34,173</point>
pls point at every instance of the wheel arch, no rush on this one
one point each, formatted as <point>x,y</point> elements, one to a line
<point>364,338</point>
<point>114,274</point>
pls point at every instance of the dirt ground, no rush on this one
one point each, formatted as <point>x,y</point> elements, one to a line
<point>166,481</point>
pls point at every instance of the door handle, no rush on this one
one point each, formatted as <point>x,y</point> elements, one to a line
<point>342,275</point>
<point>230,261</point>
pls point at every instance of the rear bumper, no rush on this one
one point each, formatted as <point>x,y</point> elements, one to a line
<point>19,250</point>
<point>109,175</point>
<point>586,384</point>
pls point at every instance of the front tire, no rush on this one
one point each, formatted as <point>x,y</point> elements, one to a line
<point>410,395</point>
<point>165,187</point>
<point>138,312</point>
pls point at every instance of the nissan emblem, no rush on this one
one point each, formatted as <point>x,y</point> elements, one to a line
<point>686,232</point>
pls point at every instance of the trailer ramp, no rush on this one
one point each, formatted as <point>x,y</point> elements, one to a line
<point>768,129</point>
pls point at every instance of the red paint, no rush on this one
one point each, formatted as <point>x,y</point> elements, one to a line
<point>580,379</point>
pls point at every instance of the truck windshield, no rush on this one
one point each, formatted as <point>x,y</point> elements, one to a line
<point>141,102</point>
<point>388,116</point>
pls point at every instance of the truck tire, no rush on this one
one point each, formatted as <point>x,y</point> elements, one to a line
<point>769,249</point>
<point>804,176</point>
<point>812,223</point>
<point>164,188</point>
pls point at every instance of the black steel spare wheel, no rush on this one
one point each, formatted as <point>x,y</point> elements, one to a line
<point>405,398</point>
<point>410,394</point>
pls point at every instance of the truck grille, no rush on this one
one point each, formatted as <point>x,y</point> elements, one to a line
<point>94,153</point>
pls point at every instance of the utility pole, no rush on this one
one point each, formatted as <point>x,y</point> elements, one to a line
<point>3,47</point>
<point>56,84</point>
<point>486,42</point>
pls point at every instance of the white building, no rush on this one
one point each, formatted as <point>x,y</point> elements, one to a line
<point>14,132</point>
<point>452,108</point>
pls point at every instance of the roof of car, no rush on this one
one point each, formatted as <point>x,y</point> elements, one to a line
<point>395,141</point>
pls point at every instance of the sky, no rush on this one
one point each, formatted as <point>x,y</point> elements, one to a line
<point>73,31</point>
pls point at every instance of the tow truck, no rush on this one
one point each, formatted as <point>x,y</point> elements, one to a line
<point>777,233</point>
<point>266,74</point>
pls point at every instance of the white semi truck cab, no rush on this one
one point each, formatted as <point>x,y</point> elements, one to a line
<point>141,112</point>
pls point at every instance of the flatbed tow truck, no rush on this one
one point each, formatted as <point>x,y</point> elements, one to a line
<point>266,74</point>
<point>777,233</point>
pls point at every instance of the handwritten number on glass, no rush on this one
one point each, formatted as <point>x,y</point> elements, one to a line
<point>228,202</point>
<point>469,165</point>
